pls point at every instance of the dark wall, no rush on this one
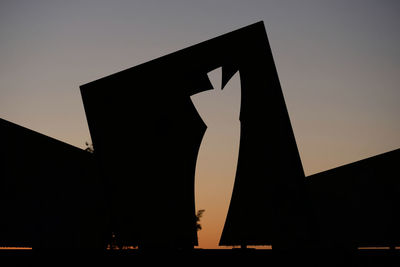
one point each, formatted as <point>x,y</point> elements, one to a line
<point>50,194</point>
<point>358,204</point>
<point>267,202</point>
<point>146,133</point>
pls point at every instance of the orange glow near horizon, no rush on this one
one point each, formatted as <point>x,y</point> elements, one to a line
<point>15,248</point>
<point>375,248</point>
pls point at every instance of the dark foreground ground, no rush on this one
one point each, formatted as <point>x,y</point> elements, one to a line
<point>204,257</point>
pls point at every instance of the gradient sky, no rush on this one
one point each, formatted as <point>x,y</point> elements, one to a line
<point>338,63</point>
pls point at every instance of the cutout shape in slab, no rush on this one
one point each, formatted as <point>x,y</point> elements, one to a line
<point>217,159</point>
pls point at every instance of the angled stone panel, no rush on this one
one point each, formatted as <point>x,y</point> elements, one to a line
<point>147,133</point>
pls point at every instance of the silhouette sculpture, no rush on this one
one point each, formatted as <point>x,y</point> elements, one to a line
<point>50,196</point>
<point>146,134</point>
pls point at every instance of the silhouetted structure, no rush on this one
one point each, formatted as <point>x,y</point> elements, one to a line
<point>358,204</point>
<point>146,133</point>
<point>50,196</point>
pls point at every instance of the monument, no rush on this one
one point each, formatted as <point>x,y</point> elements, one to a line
<point>138,185</point>
<point>146,134</point>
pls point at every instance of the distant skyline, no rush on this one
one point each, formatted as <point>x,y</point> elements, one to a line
<point>338,64</point>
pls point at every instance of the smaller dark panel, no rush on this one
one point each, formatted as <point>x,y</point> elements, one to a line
<point>358,204</point>
<point>50,194</point>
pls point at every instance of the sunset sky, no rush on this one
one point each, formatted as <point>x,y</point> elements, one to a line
<point>338,64</point>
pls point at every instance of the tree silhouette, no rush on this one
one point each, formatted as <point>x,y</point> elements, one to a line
<point>199,214</point>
